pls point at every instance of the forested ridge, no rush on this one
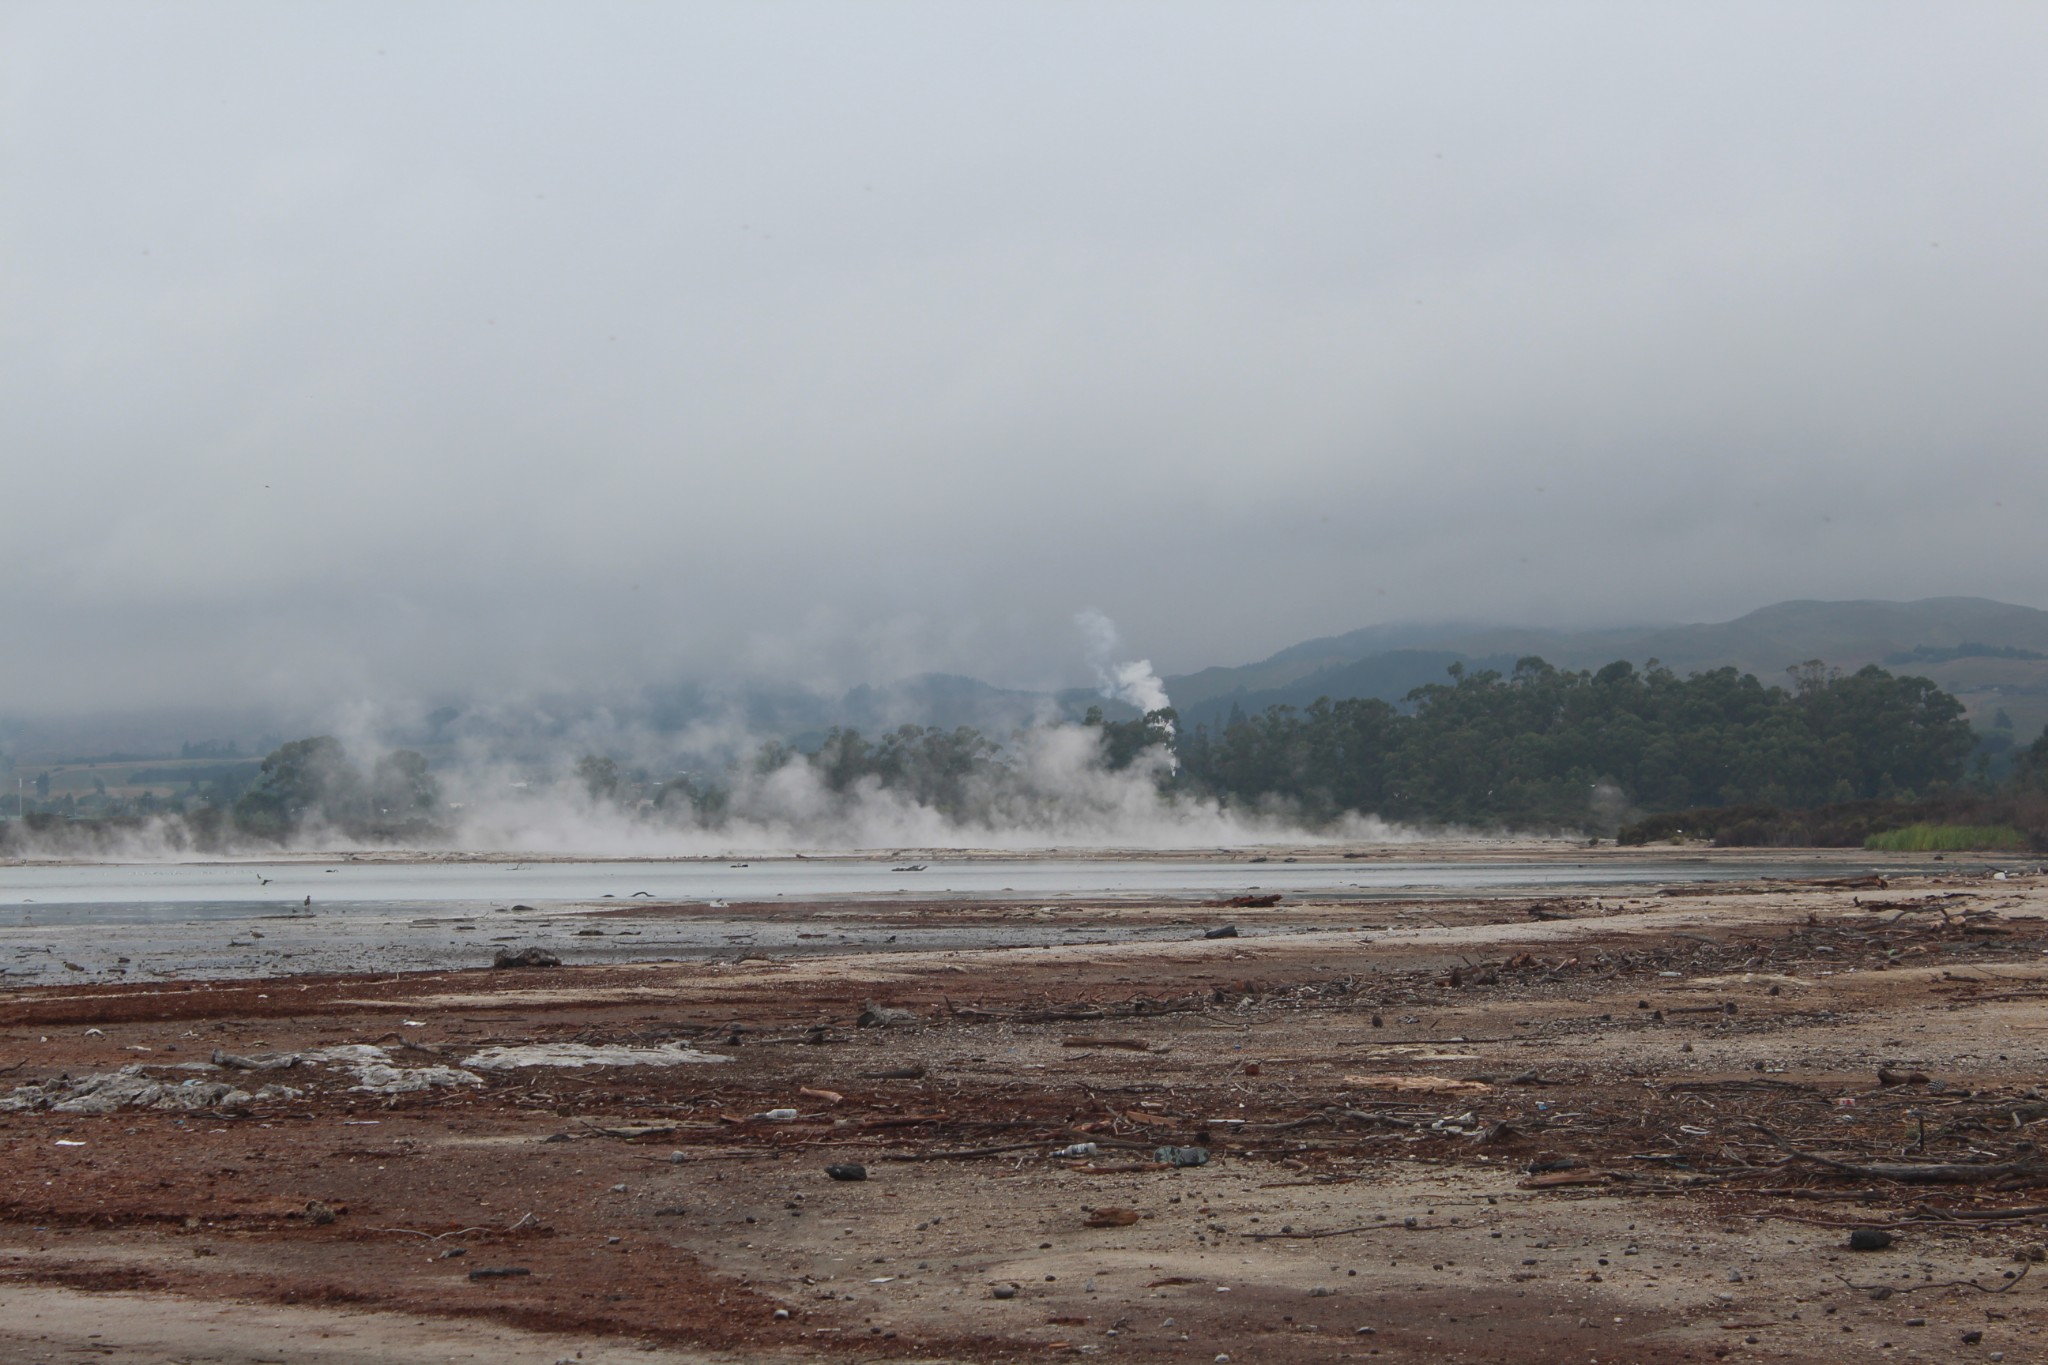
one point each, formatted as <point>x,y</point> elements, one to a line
<point>1544,746</point>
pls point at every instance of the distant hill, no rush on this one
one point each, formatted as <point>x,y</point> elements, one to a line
<point>1976,648</point>
<point>1991,655</point>
<point>1389,676</point>
<point>1774,638</point>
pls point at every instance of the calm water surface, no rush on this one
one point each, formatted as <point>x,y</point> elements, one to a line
<point>76,894</point>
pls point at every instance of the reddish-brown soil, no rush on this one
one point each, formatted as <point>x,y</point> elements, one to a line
<point>1633,1129</point>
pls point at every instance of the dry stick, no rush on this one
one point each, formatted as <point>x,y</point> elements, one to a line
<point>1346,1232</point>
<point>439,1236</point>
<point>1914,1172</point>
<point>1982,1215</point>
<point>966,1152</point>
<point>1944,1284</point>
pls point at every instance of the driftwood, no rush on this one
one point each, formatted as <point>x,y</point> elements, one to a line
<point>1868,883</point>
<point>961,1153</point>
<point>1741,1083</point>
<point>1409,1226</point>
<point>1921,1172</point>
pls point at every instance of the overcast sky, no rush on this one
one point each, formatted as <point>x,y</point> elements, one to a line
<point>357,349</point>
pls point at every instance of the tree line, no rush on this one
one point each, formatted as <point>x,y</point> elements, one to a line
<point>1534,748</point>
<point>1542,746</point>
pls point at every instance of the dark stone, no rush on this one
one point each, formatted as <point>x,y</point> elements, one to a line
<point>526,957</point>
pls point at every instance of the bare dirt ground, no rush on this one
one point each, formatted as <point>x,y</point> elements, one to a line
<point>1636,1129</point>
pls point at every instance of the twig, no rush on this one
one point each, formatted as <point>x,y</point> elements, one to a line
<point>1943,1284</point>
<point>1916,1172</point>
<point>965,1152</point>
<point>441,1236</point>
<point>1346,1232</point>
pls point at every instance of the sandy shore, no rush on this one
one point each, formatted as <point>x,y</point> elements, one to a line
<point>1636,1128</point>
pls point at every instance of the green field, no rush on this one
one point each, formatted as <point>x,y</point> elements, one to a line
<point>1948,839</point>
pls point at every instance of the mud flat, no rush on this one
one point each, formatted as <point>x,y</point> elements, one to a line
<point>1634,1125</point>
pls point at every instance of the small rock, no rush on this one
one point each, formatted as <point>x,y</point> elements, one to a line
<point>1111,1218</point>
<point>525,957</point>
<point>873,1015</point>
<point>318,1214</point>
<point>1003,1291</point>
<point>1223,931</point>
<point>1869,1239</point>
<point>782,1315</point>
<point>847,1170</point>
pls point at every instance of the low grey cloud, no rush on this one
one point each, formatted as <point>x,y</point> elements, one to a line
<point>367,350</point>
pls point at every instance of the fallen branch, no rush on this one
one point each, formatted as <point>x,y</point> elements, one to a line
<point>1741,1083</point>
<point>1889,1290</point>
<point>1918,1172</point>
<point>1409,1226</point>
<point>964,1152</point>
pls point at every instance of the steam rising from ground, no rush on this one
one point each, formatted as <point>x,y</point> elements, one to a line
<point>1130,681</point>
<point>1054,792</point>
<point>1048,788</point>
<point>604,786</point>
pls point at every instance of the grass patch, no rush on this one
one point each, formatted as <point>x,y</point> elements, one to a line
<point>1926,838</point>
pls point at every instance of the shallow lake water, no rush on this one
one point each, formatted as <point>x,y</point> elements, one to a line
<point>122,893</point>
<point>242,919</point>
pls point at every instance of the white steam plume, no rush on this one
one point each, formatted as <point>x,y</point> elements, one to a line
<point>1131,681</point>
